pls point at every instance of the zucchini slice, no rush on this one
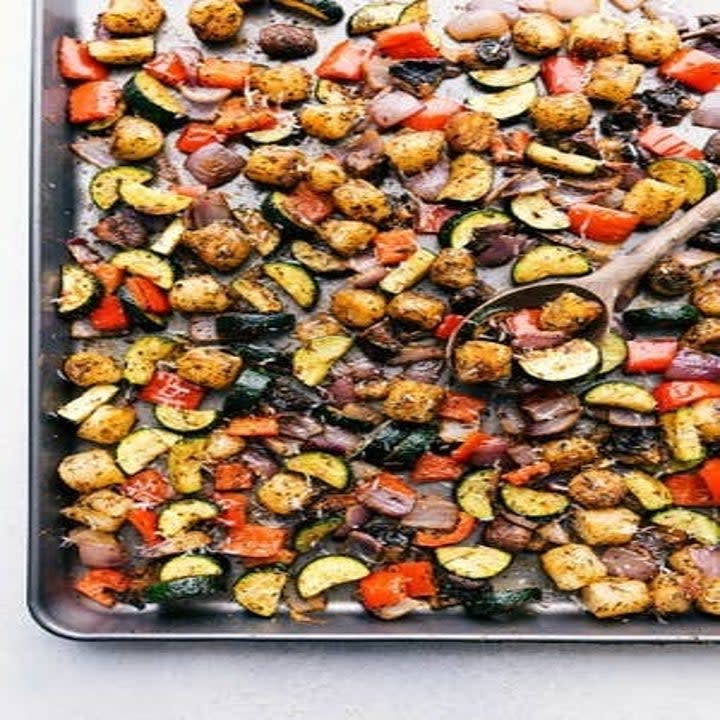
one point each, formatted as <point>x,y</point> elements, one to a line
<point>185,421</point>
<point>613,351</point>
<point>98,126</point>
<point>459,230</point>
<point>696,178</point>
<point>296,281</point>
<point>507,104</point>
<point>275,210</point>
<point>625,395</point>
<point>80,291</point>
<point>323,573</point>
<point>169,238</point>
<point>138,449</point>
<point>533,503</point>
<point>266,238</point>
<point>474,563</point>
<point>474,494</point>
<point>83,407</point>
<point>318,261</point>
<point>694,524</point>
<point>313,362</point>
<point>149,98</point>
<point>246,393</point>
<point>262,298</point>
<point>408,273</point>
<point>537,212</point>
<point>185,461</point>
<point>142,355</point>
<point>104,185</point>
<point>545,261</point>
<point>183,589</point>
<point>181,515</point>
<point>152,201</point>
<point>471,178</point>
<point>313,533</point>
<point>149,321</point>
<point>285,493</point>
<point>570,163</point>
<point>260,591</point>
<point>373,17</point>
<point>504,77</point>
<point>245,326</point>
<point>682,436</point>
<point>123,51</point>
<point>326,11</point>
<point>662,317</point>
<point>189,566</point>
<point>650,492</point>
<point>569,361</point>
<point>417,11</point>
<point>501,602</point>
<point>146,264</point>
<point>331,470</point>
<point>286,130</point>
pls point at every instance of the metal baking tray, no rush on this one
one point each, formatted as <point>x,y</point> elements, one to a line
<point>56,212</point>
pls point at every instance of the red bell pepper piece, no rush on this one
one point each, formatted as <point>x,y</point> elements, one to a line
<point>254,427</point>
<point>91,101</point>
<point>145,521</point>
<point>602,224</point>
<point>284,556</point>
<point>111,277</point>
<point>236,117</point>
<point>220,73</point>
<point>666,143</point>
<point>168,68</point>
<point>148,487</point>
<point>710,475</point>
<point>434,468</point>
<point>345,61</point>
<point>450,323</point>
<point>393,483</point>
<point>650,356</point>
<point>382,588</point>
<point>523,475</point>
<point>461,407</point>
<point>309,205</point>
<point>419,577</point>
<point>406,41</point>
<point>196,135</point>
<point>191,191</point>
<point>255,541</point>
<point>109,315</point>
<point>509,147</point>
<point>695,68</point>
<point>148,296</point>
<point>233,476</point>
<point>675,394</point>
<point>434,538</point>
<point>76,63</point>
<point>99,584</point>
<point>474,442</point>
<point>563,74</point>
<point>234,509</point>
<point>394,246</point>
<point>435,114</point>
<point>689,490</point>
<point>168,388</point>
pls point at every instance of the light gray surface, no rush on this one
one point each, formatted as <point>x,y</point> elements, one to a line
<point>41,676</point>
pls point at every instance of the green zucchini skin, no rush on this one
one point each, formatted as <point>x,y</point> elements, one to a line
<point>267,357</point>
<point>399,446</point>
<point>295,281</point>
<point>325,11</point>
<point>458,231</point>
<point>373,17</point>
<point>335,416</point>
<point>314,532</point>
<point>185,421</point>
<point>537,212</point>
<point>143,319</point>
<point>662,317</point>
<point>274,210</point>
<point>80,292</point>
<point>247,392</point>
<point>183,589</point>
<point>504,78</point>
<point>152,100</point>
<point>502,602</point>
<point>104,185</point>
<point>260,591</point>
<point>696,178</point>
<point>246,326</point>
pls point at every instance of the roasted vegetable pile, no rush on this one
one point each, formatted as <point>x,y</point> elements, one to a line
<point>284,232</point>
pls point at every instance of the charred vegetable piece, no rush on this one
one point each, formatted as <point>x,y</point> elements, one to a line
<point>474,563</point>
<point>311,534</point>
<point>149,98</point>
<point>326,11</point>
<point>331,470</point>
<point>503,602</point>
<point>662,317</point>
<point>183,589</point>
<point>462,229</point>
<point>250,325</point>
<point>536,211</point>
<point>694,524</point>
<point>260,591</point>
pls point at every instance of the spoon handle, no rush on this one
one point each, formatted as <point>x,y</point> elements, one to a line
<point>613,278</point>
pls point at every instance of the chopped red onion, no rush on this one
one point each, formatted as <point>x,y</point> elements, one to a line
<point>98,549</point>
<point>370,277</point>
<point>365,546</point>
<point>334,439</point>
<point>385,500</point>
<point>477,24</point>
<point>204,95</point>
<point>432,512</point>
<point>95,150</point>
<point>634,563</point>
<point>214,164</point>
<point>570,9</point>
<point>694,365</point>
<point>190,57</point>
<point>390,108</point>
<point>620,417</point>
<point>554,426</point>
<point>707,559</point>
<point>341,391</point>
<point>82,252</point>
<point>549,404</point>
<point>417,353</point>
<point>405,606</point>
<point>494,449</point>
<point>452,431</point>
<point>427,185</point>
<point>259,462</point>
<point>707,113</point>
<point>377,73</point>
<point>509,8</point>
<point>210,207</point>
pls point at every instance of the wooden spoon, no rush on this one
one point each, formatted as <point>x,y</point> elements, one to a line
<point>607,284</point>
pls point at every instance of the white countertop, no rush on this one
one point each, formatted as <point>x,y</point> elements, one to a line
<point>42,676</point>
